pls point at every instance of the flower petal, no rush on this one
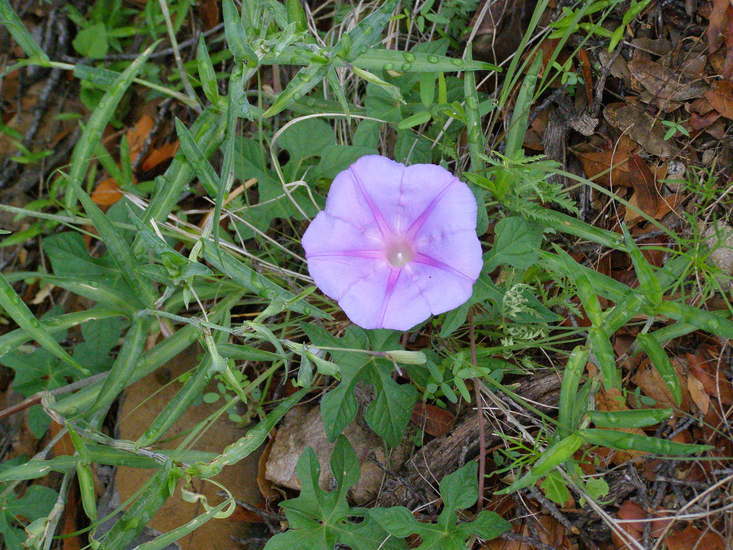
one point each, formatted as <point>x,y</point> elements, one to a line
<point>456,251</point>
<point>327,234</point>
<point>454,210</point>
<point>364,298</point>
<point>353,192</point>
<point>441,289</point>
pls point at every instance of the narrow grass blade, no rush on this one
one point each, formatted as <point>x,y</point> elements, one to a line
<point>703,320</point>
<point>476,138</point>
<point>661,362</point>
<point>251,441</point>
<point>222,510</point>
<point>589,300</point>
<point>17,29</point>
<point>417,62</point>
<point>152,497</point>
<point>208,130</point>
<point>303,82</point>
<point>648,280</point>
<point>569,406</point>
<point>635,442</point>
<point>573,226</point>
<point>553,456</point>
<point>257,283</point>
<point>19,312</point>
<point>519,123</point>
<point>11,340</point>
<point>638,418</point>
<point>207,74</point>
<point>122,369</point>
<point>92,133</point>
<point>149,362</point>
<point>197,159</point>
<point>604,358</point>
<point>564,264</point>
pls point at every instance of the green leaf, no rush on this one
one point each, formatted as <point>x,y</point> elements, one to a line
<point>390,412</point>
<point>308,138</point>
<point>517,243</point>
<point>555,489</point>
<point>17,310</point>
<point>322,519</point>
<point>92,41</point>
<point>459,489</point>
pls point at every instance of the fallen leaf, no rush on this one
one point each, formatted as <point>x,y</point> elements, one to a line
<point>712,379</point>
<point>142,402</point>
<point>698,394</point>
<point>209,11</point>
<point>640,126</point>
<point>137,135</point>
<point>646,197</point>
<point>609,167</point>
<point>663,83</point>
<point>720,97</point>
<point>106,193</point>
<point>647,378</point>
<point>629,512</point>
<point>691,538</point>
<point>434,420</point>
<point>302,427</point>
<point>160,155</point>
<point>716,24</point>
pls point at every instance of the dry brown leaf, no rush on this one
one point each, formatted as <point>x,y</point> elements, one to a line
<point>209,12</point>
<point>160,155</point>
<point>142,401</point>
<point>106,193</point>
<point>663,83</point>
<point>137,135</point>
<point>434,420</point>
<point>629,511</point>
<point>652,385</point>
<point>614,162</point>
<point>717,24</point>
<point>640,126</point>
<point>698,394</point>
<point>720,97</point>
<point>691,538</point>
<point>646,197</point>
<point>711,378</point>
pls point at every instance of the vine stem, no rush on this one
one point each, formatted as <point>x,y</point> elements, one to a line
<point>481,420</point>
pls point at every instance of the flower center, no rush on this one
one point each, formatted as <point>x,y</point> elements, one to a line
<point>399,253</point>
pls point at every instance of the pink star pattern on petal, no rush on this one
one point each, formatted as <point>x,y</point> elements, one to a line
<point>395,243</point>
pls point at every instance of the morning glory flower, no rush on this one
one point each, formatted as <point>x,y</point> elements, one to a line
<point>395,243</point>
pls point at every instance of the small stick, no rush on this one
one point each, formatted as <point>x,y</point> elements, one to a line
<point>177,56</point>
<point>35,399</point>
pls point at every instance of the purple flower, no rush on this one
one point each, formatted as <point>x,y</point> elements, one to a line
<point>395,244</point>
